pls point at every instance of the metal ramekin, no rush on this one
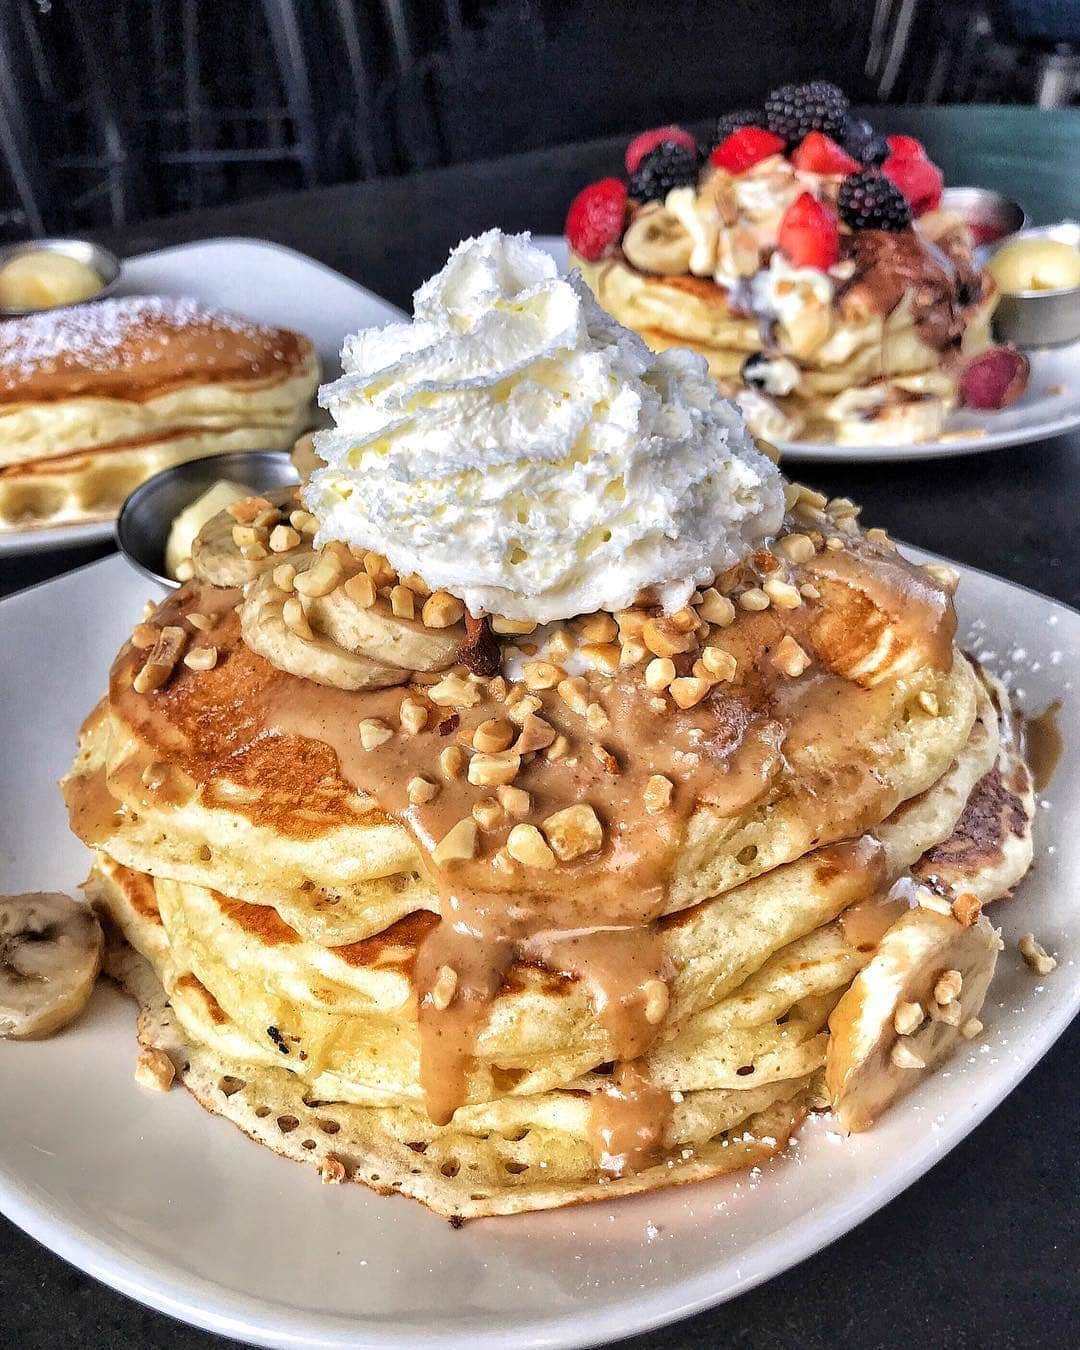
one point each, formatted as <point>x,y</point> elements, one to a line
<point>105,264</point>
<point>1041,318</point>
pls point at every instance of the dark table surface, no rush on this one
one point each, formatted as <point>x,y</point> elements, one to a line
<point>982,1252</point>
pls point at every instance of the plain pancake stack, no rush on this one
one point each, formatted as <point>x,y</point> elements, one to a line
<point>422,906</point>
<point>95,399</point>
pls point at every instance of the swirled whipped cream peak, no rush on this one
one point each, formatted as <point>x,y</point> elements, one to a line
<point>517,447</point>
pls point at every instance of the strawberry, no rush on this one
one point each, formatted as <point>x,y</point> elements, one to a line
<point>808,233</point>
<point>818,153</point>
<point>906,147</point>
<point>919,180</point>
<point>595,219</point>
<point>640,146</point>
<point>744,148</point>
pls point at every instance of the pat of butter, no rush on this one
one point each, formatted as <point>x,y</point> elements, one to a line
<point>1036,265</point>
<point>42,279</point>
<point>191,520</point>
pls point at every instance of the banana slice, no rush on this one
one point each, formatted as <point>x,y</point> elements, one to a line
<point>50,954</point>
<point>377,632</point>
<point>869,1064</point>
<point>263,628</point>
<point>217,558</point>
<point>657,241</point>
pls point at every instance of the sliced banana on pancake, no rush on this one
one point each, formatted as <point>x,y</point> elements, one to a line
<point>377,632</point>
<point>905,1010</point>
<point>217,557</point>
<point>264,629</point>
<point>50,955</point>
<point>657,241</point>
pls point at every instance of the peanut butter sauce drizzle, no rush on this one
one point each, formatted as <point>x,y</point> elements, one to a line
<point>591,918</point>
<point>1043,744</point>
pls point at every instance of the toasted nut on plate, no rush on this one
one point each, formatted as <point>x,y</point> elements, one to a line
<point>796,548</point>
<point>421,790</point>
<point>971,1028</point>
<point>904,1057</point>
<point>452,761</point>
<point>633,651</point>
<point>536,734</point>
<point>559,748</point>
<point>283,538</point>
<point>596,718</point>
<point>1036,955</point>
<point>454,692</point>
<point>966,908</point>
<point>413,716</point>
<point>657,794</point>
<point>488,814</point>
<point>374,732</point>
<point>927,702</point>
<point>442,610</point>
<point>663,639</point>
<point>527,845</point>
<point>520,705</point>
<point>542,674</point>
<point>379,569</point>
<point>490,770</point>
<point>720,664</point>
<point>574,831</point>
<point>493,735</point>
<point>458,844</point>
<point>162,660</point>
<point>782,594</point>
<point>285,576</point>
<point>603,656</point>
<point>243,536</point>
<point>361,590</point>
<point>203,622</point>
<point>416,584</point>
<point>908,1018</point>
<point>154,1070</point>
<point>514,801</point>
<point>599,627</point>
<point>303,521</point>
<point>689,690</point>
<point>631,622</point>
<point>512,627</point>
<point>754,599</point>
<point>947,989</point>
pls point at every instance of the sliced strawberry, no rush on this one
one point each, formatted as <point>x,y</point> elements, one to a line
<point>920,180</point>
<point>906,147</point>
<point>595,219</point>
<point>640,146</point>
<point>809,236</point>
<point>746,147</point>
<point>818,153</point>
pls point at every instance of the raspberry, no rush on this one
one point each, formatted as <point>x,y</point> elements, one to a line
<point>863,143</point>
<point>906,147</point>
<point>868,201</point>
<point>794,110</point>
<point>640,146</point>
<point>995,379</point>
<point>726,123</point>
<point>668,166</point>
<point>744,148</point>
<point>595,219</point>
<point>809,236</point>
<point>919,180</point>
<point>818,153</point>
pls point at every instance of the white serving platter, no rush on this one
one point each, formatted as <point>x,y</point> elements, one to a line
<point>176,1208</point>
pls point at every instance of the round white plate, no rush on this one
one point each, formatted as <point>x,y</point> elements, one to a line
<point>176,1208</point>
<point>63,536</point>
<point>1050,407</point>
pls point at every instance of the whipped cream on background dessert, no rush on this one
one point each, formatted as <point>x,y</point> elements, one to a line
<point>520,449</point>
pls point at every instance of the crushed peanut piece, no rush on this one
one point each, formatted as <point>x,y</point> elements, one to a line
<point>303,521</point>
<point>379,570</point>
<point>452,761</point>
<point>809,591</point>
<point>487,813</point>
<point>520,704</point>
<point>442,610</point>
<point>966,908</point>
<point>605,759</point>
<point>908,1018</point>
<point>574,692</point>
<point>243,536</point>
<point>928,702</point>
<point>657,794</point>
<point>145,635</point>
<point>689,690</point>
<point>489,770</point>
<point>526,845</point>
<point>631,622</point>
<point>454,692</point>
<point>155,1070</point>
<point>663,639</point>
<point>514,801</point>
<point>596,718</point>
<point>322,578</point>
<point>542,674</point>
<point>561,644</point>
<point>421,790</point>
<point>574,832</point>
<point>1035,954</point>
<point>201,658</point>
<point>719,663</point>
<point>603,656</point>
<point>782,594</point>
<point>659,673</point>
<point>498,688</point>
<point>402,602</point>
<point>247,508</point>
<point>512,627</point>
<point>374,732</point>
<point>790,658</point>
<point>559,748</point>
<point>162,660</point>
<point>971,1028</point>
<point>292,611</point>
<point>285,576</point>
<point>947,989</point>
<point>203,622</point>
<point>753,599</point>
<point>361,590</point>
<point>796,548</point>
<point>283,538</point>
<point>717,608</point>
<point>599,627</point>
<point>633,650</point>
<point>444,988</point>
<point>657,1001</point>
<point>413,716</point>
<point>949,1013</point>
<point>536,734</point>
<point>493,735</point>
<point>834,544</point>
<point>458,844</point>
<point>904,1057</point>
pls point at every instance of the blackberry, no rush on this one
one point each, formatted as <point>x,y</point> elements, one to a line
<point>868,201</point>
<point>668,166</point>
<point>794,110</point>
<point>863,143</point>
<point>726,123</point>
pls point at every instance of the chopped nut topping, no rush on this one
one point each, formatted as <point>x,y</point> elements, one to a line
<point>657,1001</point>
<point>332,1171</point>
<point>254,552</point>
<point>782,594</point>
<point>162,660</point>
<point>498,689</point>
<point>684,620</point>
<point>322,578</point>
<point>374,732</point>
<point>880,538</point>
<point>403,602</point>
<point>633,651</point>
<point>719,663</point>
<point>796,548</point>
<point>493,735</point>
<point>201,658</point>
<point>416,584</point>
<point>966,908</point>
<point>185,569</point>
<point>526,845</point>
<point>809,497</point>
<point>203,622</point>
<point>266,520</point>
<point>842,508</point>
<point>559,748</point>
<point>512,627</point>
<point>574,832</point>
<point>154,1070</point>
<point>303,521</point>
<point>790,658</point>
<point>717,608</point>
<point>928,702</point>
<point>413,716</point>
<point>442,610</point>
<point>631,622</point>
<point>285,576</point>
<point>452,761</point>
<point>542,674</point>
<point>454,692</point>
<point>361,590</point>
<point>487,813</point>
<point>1036,955</point>
<point>596,718</point>
<point>421,790</point>
<point>944,575</point>
<point>603,656</point>
<point>283,538</point>
<point>605,759</point>
<point>834,544</point>
<point>489,770</point>
<point>809,591</point>
<point>514,801</point>
<point>292,611</point>
<point>947,989</point>
<point>971,1028</point>
<point>908,1018</point>
<point>444,988</point>
<point>247,508</point>
<point>949,1013</point>
<point>597,627</point>
<point>659,673</point>
<point>145,635</point>
<point>380,571</point>
<point>459,844</point>
<point>904,1057</point>
<point>754,599</point>
<point>575,693</point>
<point>149,610</point>
<point>243,536</point>
<point>663,639</point>
<point>928,899</point>
<point>657,794</point>
<point>689,690</point>
<point>561,644</point>
<point>536,734</point>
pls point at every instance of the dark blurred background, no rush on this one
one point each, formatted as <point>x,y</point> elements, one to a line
<point>112,111</point>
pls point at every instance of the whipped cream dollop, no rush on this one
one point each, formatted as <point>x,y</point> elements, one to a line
<point>517,447</point>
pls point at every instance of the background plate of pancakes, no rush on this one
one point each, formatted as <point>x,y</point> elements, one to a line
<point>250,278</point>
<point>1050,407</point>
<point>174,1207</point>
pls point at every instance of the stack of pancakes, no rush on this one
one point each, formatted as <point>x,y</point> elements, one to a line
<point>405,897</point>
<point>95,399</point>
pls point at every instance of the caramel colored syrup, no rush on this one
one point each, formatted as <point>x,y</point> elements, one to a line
<point>593,918</point>
<point>1043,744</point>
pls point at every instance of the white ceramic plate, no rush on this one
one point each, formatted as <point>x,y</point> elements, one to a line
<point>176,1208</point>
<point>1050,407</point>
<point>262,281</point>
